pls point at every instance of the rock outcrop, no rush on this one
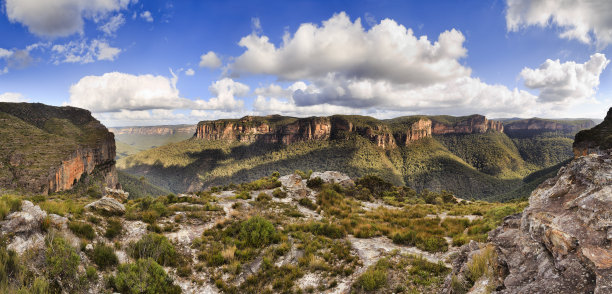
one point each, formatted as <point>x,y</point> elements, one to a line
<point>154,130</point>
<point>561,242</point>
<point>595,140</point>
<point>48,149</point>
<point>465,125</point>
<point>386,134</point>
<point>532,126</point>
<point>107,206</point>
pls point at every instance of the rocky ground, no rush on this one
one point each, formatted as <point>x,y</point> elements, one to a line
<point>559,244</point>
<point>319,271</point>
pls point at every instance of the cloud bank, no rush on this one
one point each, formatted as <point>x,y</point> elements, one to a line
<point>60,18</point>
<point>585,21</point>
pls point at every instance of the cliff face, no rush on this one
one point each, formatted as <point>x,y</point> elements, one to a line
<point>536,126</point>
<point>154,130</point>
<point>48,149</point>
<point>385,134</point>
<point>470,125</point>
<point>561,241</point>
<point>250,129</point>
<point>595,140</point>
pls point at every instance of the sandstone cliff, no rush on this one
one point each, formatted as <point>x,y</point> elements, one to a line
<point>384,133</point>
<point>47,149</point>
<point>154,130</point>
<point>532,126</point>
<point>464,125</point>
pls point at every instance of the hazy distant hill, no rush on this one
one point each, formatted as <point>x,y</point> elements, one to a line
<point>131,140</point>
<point>471,155</point>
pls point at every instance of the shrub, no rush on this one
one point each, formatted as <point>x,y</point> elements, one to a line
<point>157,247</point>
<point>279,193</point>
<point>326,229</point>
<point>9,265</point>
<point>375,184</point>
<point>408,238</point>
<point>432,244</point>
<point>62,261</point>
<point>104,256</point>
<point>244,195</point>
<point>143,276</point>
<point>306,202</point>
<point>375,277</point>
<point>314,183</point>
<point>91,272</point>
<point>262,197</point>
<point>257,232</point>
<point>113,229</point>
<point>8,204</point>
<point>82,229</point>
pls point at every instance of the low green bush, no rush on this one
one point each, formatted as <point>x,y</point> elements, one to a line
<point>262,197</point>
<point>314,183</point>
<point>157,247</point>
<point>257,232</point>
<point>374,278</point>
<point>306,202</point>
<point>113,228</point>
<point>82,229</point>
<point>143,276</point>
<point>62,263</point>
<point>104,256</point>
<point>279,193</point>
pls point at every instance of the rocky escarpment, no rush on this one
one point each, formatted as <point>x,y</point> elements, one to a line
<point>154,130</point>
<point>532,126</point>
<point>561,242</point>
<point>384,133</point>
<point>595,140</point>
<point>464,125</point>
<point>47,149</point>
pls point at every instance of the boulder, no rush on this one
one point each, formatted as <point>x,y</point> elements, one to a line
<point>27,220</point>
<point>117,194</point>
<point>107,205</point>
<point>334,177</point>
<point>561,241</point>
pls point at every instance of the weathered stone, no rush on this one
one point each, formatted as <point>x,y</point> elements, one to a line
<point>333,177</point>
<point>27,220</point>
<point>117,194</point>
<point>107,205</point>
<point>559,244</point>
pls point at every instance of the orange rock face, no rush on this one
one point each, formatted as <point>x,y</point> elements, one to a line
<point>83,161</point>
<point>257,129</point>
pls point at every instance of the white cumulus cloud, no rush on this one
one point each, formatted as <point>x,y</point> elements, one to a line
<point>563,82</point>
<point>210,60</point>
<point>60,18</point>
<point>586,21</point>
<point>225,91</point>
<point>126,93</point>
<point>12,97</point>
<point>387,51</point>
<point>189,72</point>
<point>115,91</point>
<point>146,15</point>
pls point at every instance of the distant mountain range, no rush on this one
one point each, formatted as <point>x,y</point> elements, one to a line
<point>131,140</point>
<point>472,156</point>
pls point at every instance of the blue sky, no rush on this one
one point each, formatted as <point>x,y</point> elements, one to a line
<point>163,62</point>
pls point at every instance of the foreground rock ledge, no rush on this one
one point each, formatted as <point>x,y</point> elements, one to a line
<point>561,242</point>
